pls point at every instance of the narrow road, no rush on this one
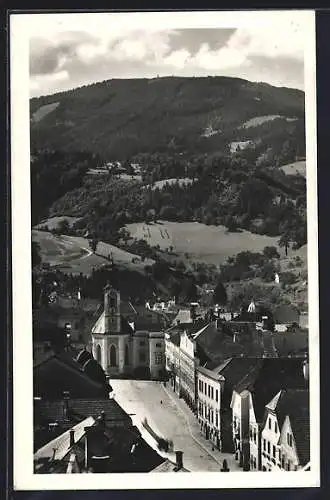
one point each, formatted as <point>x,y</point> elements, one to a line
<point>145,399</point>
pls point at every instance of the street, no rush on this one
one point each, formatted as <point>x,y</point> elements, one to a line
<point>146,399</point>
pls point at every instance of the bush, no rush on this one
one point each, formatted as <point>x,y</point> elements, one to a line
<point>271,252</point>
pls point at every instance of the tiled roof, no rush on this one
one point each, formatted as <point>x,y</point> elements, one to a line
<point>61,444</point>
<point>53,411</point>
<point>294,403</point>
<point>113,412</point>
<point>143,319</point>
<point>183,316</point>
<point>218,346</point>
<point>169,466</point>
<point>99,326</point>
<point>57,372</point>
<point>267,376</point>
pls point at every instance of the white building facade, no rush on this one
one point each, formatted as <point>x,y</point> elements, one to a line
<point>209,386</point>
<point>122,347</point>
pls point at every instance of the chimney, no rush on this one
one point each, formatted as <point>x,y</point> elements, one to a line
<point>71,438</point>
<point>306,370</point>
<point>107,309</point>
<point>66,397</point>
<point>179,461</point>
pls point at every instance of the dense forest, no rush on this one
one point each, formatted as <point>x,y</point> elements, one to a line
<point>224,190</point>
<point>123,118</point>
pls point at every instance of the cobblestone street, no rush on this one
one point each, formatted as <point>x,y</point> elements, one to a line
<point>169,418</point>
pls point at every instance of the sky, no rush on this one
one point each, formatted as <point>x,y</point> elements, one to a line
<point>71,50</point>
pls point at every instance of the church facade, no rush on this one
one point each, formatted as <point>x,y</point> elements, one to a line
<point>127,340</point>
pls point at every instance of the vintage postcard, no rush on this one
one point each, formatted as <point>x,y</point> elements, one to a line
<point>165,258</point>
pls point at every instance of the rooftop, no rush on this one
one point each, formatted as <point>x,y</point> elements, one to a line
<point>59,447</point>
<point>294,403</point>
<point>267,376</point>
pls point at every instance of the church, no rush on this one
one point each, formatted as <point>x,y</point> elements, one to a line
<point>127,340</point>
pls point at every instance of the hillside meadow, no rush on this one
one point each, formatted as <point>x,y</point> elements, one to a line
<point>210,244</point>
<point>71,254</point>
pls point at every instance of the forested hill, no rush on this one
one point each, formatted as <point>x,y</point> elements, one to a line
<point>119,119</point>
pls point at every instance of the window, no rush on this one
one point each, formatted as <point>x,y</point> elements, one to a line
<point>275,426</point>
<point>289,465</point>
<point>212,392</point>
<point>126,355</point>
<point>142,357</point>
<point>274,451</point>
<point>216,420</point>
<point>254,435</point>
<point>113,356</point>
<point>202,388</point>
<point>268,447</point>
<point>289,439</point>
<point>211,412</point>
<point>158,345</point>
<point>251,434</point>
<point>264,444</point>
<point>98,354</point>
<point>158,358</point>
<point>208,390</point>
<point>283,462</point>
<point>216,395</point>
<point>269,423</point>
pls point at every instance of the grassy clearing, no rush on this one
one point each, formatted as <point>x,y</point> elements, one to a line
<point>44,111</point>
<point>53,222</point>
<point>299,167</point>
<point>180,181</point>
<point>210,244</point>
<point>259,120</point>
<point>72,254</point>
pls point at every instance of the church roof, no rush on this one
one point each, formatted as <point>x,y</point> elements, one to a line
<point>142,318</point>
<point>99,327</point>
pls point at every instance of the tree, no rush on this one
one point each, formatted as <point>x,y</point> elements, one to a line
<point>93,244</point>
<point>63,226</point>
<point>285,242</point>
<point>36,259</point>
<point>220,294</point>
<point>271,252</point>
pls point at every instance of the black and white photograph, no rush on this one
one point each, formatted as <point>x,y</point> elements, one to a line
<point>165,290</point>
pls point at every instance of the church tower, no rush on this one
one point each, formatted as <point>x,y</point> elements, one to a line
<point>111,336</point>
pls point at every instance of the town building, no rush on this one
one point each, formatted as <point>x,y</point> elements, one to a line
<point>286,432</point>
<point>74,315</point>
<point>129,341</point>
<point>88,435</point>
<point>169,466</point>
<point>172,357</point>
<point>57,372</point>
<point>210,386</point>
<point>250,395</point>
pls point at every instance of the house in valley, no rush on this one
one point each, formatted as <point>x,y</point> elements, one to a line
<point>286,432</point>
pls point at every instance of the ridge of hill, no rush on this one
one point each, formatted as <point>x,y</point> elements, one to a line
<point>121,118</point>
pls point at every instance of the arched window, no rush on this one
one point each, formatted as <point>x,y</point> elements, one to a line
<point>113,356</point>
<point>126,355</point>
<point>98,354</point>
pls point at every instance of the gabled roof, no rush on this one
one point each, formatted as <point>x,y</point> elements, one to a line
<point>55,372</point>
<point>61,444</point>
<point>168,466</point>
<point>269,375</point>
<point>99,326</point>
<point>52,411</point>
<point>294,403</point>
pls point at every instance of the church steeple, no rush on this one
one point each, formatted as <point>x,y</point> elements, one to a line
<point>112,321</point>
